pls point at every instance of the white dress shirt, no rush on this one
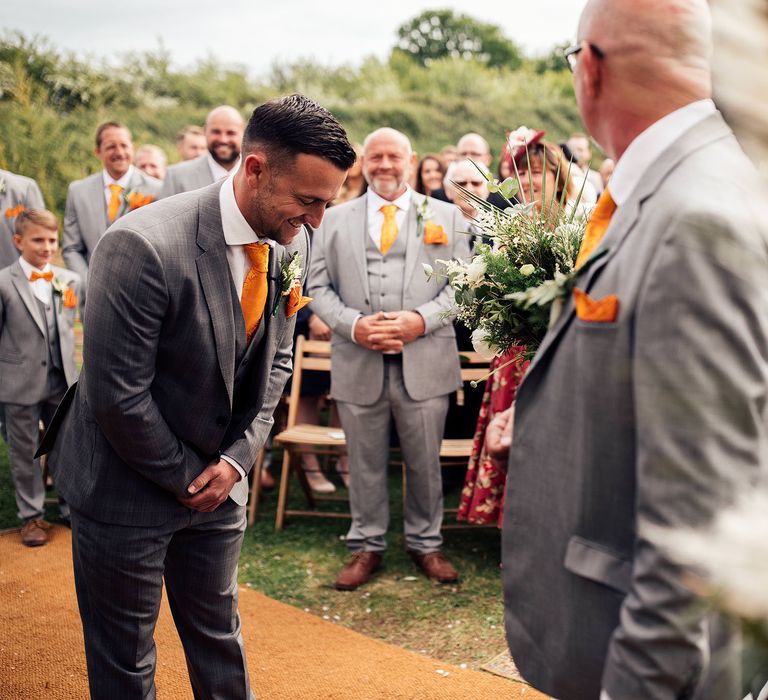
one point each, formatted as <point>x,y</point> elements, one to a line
<point>237,232</point>
<point>42,289</point>
<point>123,182</point>
<point>646,148</point>
<point>218,171</point>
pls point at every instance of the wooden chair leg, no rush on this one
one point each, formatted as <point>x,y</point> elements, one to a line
<point>305,487</point>
<point>282,497</point>
<point>253,501</point>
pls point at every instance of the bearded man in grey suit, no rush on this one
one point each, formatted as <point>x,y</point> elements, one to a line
<point>99,199</point>
<point>188,341</point>
<point>646,405</point>
<point>17,194</point>
<point>223,133</point>
<point>390,326</point>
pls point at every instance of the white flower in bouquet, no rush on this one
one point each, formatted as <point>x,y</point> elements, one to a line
<point>730,557</point>
<point>527,270</point>
<point>481,345</point>
<point>476,272</point>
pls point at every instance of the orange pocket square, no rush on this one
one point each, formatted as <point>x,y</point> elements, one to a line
<point>434,234</point>
<point>603,310</point>
<point>296,301</point>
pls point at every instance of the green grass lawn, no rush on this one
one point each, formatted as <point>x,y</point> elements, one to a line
<point>459,623</point>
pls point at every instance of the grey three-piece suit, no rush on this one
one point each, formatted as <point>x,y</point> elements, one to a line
<point>168,385</point>
<point>659,417</point>
<point>187,176</point>
<point>37,364</point>
<point>349,277</point>
<point>86,218</point>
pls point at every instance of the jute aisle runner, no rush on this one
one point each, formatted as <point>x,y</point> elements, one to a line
<point>291,655</point>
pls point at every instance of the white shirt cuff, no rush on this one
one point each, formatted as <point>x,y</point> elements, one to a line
<point>354,324</point>
<point>235,465</point>
<point>604,695</point>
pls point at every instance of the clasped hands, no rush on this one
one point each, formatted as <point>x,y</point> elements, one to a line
<point>498,436</point>
<point>389,331</point>
<point>210,488</point>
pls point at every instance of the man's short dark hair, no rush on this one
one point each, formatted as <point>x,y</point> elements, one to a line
<point>108,125</point>
<point>287,126</point>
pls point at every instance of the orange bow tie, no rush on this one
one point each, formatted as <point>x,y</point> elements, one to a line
<point>47,276</point>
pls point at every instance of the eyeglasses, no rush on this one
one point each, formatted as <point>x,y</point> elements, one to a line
<point>464,183</point>
<point>572,52</point>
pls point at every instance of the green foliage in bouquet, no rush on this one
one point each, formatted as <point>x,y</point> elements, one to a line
<point>505,293</point>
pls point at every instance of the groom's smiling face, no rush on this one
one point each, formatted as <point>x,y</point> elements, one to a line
<point>279,201</point>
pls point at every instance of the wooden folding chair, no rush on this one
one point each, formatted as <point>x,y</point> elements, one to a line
<point>297,440</point>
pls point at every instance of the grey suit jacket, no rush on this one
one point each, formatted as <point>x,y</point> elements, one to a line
<point>659,417</point>
<point>188,175</point>
<point>19,190</point>
<point>338,283</point>
<point>23,346</point>
<point>85,216</point>
<point>167,383</point>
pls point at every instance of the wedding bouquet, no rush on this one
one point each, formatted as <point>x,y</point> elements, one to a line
<point>510,290</point>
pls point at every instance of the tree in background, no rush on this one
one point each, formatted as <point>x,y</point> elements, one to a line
<point>436,34</point>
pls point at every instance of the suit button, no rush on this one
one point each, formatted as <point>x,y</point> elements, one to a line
<point>367,303</point>
<point>221,421</point>
<point>245,361</point>
<point>43,363</point>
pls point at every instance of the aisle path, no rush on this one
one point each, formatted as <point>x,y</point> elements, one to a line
<point>292,655</point>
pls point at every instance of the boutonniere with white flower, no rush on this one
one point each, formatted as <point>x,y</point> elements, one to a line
<point>290,285</point>
<point>64,294</point>
<point>423,214</point>
<point>3,188</point>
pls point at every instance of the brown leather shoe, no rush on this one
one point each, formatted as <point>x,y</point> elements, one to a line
<point>33,533</point>
<point>357,570</point>
<point>435,566</point>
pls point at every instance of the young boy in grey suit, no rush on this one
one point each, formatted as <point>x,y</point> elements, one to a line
<point>37,356</point>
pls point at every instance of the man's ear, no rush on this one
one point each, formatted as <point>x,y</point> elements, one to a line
<point>592,71</point>
<point>256,167</point>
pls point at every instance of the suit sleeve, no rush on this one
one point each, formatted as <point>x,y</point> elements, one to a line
<point>700,377</point>
<point>326,302</point>
<point>73,249</point>
<point>436,311</point>
<point>34,198</point>
<point>128,299</point>
<point>244,449</point>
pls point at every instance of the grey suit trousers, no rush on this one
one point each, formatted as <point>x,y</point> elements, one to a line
<point>119,573</point>
<point>420,426</point>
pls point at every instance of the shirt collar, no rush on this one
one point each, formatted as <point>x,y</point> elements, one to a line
<point>376,202</point>
<point>29,269</point>
<point>218,171</point>
<point>123,181</point>
<point>237,231</point>
<point>646,148</point>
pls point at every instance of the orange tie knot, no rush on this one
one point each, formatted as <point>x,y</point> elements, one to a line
<point>258,255</point>
<point>47,276</point>
<point>389,211</point>
<point>114,201</point>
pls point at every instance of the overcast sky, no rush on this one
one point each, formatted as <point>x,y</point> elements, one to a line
<point>255,33</point>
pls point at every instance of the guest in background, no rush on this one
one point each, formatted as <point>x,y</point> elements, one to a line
<point>98,200</point>
<point>355,183</point>
<point>191,142</point>
<point>429,174</point>
<point>150,159</point>
<point>448,154</point>
<point>582,151</point>
<point>224,135</point>
<point>543,171</point>
<point>606,170</point>
<point>37,357</point>
<point>474,178</point>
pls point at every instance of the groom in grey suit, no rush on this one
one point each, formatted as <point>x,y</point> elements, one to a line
<point>96,201</point>
<point>646,405</point>
<point>393,349</point>
<point>188,340</point>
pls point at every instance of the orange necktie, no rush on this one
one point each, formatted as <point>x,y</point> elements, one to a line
<point>388,228</point>
<point>596,226</point>
<point>114,201</point>
<point>254,296</point>
<point>35,275</point>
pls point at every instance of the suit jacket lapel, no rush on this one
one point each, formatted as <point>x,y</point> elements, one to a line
<point>413,242</point>
<point>96,195</point>
<point>213,270</point>
<point>358,222</point>
<point>25,292</point>
<point>626,216</point>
